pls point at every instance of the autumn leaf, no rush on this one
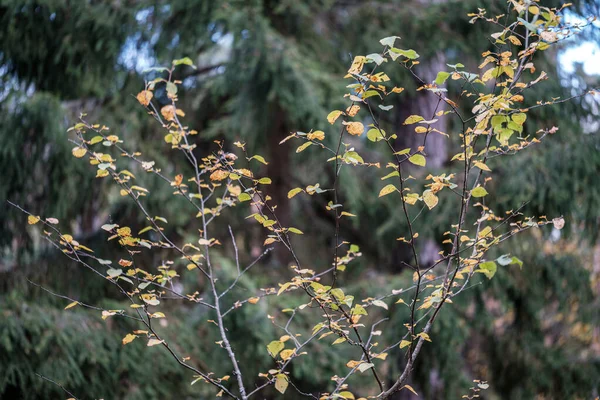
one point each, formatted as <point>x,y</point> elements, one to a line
<point>355,128</point>
<point>316,135</point>
<point>168,112</point>
<point>410,388</point>
<point>71,305</point>
<point>78,152</point>
<point>219,175</point>
<point>281,383</point>
<point>275,347</point>
<point>387,190</point>
<point>333,116</point>
<point>144,97</point>
<point>430,199</point>
<point>413,119</point>
<point>129,338</point>
<point>294,192</point>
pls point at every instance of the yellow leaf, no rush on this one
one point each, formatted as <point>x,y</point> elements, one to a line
<point>482,166</point>
<point>281,383</point>
<point>31,220</point>
<point>73,304</point>
<point>283,288</point>
<point>430,199</point>
<point>387,189</point>
<point>78,152</point>
<point>404,344</point>
<point>339,340</point>
<point>333,116</point>
<point>357,65</point>
<point>411,389</point>
<point>424,336</point>
<point>413,119</point>
<point>316,135</point>
<point>286,354</point>
<point>294,192</point>
<point>129,338</point>
<point>303,147</point>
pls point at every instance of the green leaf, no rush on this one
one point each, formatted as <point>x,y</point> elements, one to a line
<point>479,192</point>
<point>244,197</point>
<point>171,89</point>
<point>260,159</point>
<point>441,78</point>
<point>146,229</point>
<point>528,25</point>
<point>488,268</point>
<point>375,135</point>
<point>353,157</point>
<point>359,310</point>
<point>96,139</point>
<point>338,294</point>
<point>519,118</point>
<point>418,159</point>
<point>391,174</point>
<point>295,230</point>
<point>410,54</point>
<point>370,93</point>
<point>506,259</point>
<point>184,61</point>
<point>264,181</point>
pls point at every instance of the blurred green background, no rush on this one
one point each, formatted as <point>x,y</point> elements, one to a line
<point>267,68</point>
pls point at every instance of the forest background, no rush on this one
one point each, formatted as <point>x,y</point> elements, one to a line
<point>266,68</point>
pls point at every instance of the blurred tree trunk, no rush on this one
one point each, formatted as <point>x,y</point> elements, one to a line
<point>426,104</point>
<point>278,170</point>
